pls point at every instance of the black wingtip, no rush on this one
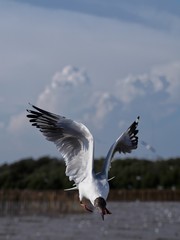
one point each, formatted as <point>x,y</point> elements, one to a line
<point>137,120</point>
<point>36,108</point>
<point>29,111</point>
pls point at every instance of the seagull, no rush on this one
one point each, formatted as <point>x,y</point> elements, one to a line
<point>75,143</point>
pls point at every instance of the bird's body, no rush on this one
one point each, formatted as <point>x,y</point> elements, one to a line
<point>75,142</point>
<point>93,187</point>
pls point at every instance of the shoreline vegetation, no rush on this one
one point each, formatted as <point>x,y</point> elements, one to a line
<point>47,173</point>
<point>36,186</point>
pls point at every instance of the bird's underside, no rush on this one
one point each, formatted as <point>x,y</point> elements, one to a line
<point>75,143</point>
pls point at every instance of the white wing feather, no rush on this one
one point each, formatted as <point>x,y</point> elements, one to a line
<point>124,144</point>
<point>73,140</point>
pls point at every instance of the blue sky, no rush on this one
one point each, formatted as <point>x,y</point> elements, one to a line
<point>100,62</point>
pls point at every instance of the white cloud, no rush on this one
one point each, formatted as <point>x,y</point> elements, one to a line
<point>127,90</point>
<point>70,77</point>
<point>104,105</point>
<point>71,93</point>
<point>101,106</point>
<point>161,79</point>
<point>169,77</point>
<point>47,99</point>
<point>68,89</point>
<point>65,85</point>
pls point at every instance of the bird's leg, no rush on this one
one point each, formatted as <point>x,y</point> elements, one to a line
<point>85,207</point>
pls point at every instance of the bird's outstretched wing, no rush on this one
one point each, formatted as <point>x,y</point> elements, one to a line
<point>127,142</point>
<point>73,140</point>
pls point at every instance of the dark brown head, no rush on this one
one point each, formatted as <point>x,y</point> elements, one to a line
<point>100,204</point>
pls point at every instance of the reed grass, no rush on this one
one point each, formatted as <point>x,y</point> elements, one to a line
<point>27,202</point>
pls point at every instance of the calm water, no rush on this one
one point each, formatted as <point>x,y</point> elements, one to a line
<point>129,221</point>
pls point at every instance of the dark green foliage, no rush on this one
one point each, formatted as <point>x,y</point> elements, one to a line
<point>49,173</point>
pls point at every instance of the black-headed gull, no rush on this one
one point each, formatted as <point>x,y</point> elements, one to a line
<point>75,142</point>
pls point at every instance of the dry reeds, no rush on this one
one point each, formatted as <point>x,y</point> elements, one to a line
<point>38,202</point>
<point>27,202</point>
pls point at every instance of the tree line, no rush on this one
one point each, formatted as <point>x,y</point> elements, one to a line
<point>47,173</point>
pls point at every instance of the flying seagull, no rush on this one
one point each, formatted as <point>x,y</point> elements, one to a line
<point>75,143</point>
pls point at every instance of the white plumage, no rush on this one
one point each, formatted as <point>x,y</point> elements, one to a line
<point>75,142</point>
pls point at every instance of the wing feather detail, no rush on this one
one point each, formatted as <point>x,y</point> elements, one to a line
<point>72,139</point>
<point>127,142</point>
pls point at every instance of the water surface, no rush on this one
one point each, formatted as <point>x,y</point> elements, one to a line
<point>129,221</point>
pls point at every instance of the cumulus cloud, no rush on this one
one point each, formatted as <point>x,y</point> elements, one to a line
<point>65,85</point>
<point>101,105</point>
<point>161,79</point>
<point>169,77</point>
<point>70,76</point>
<point>105,104</point>
<point>71,93</point>
<point>66,93</point>
<point>127,89</point>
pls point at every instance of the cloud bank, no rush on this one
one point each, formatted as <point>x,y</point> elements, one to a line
<point>162,79</point>
<point>71,93</point>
